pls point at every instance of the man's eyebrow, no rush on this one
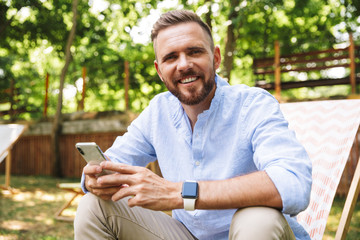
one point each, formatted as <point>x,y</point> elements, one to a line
<point>195,48</point>
<point>187,49</point>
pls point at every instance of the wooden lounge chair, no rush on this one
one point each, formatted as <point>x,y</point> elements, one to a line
<point>327,130</point>
<point>75,188</point>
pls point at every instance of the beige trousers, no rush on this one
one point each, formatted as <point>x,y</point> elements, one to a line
<point>99,219</point>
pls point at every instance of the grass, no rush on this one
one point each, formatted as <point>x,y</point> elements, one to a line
<point>334,218</point>
<point>29,213</point>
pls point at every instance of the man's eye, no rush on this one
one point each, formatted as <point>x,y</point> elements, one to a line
<point>194,52</point>
<point>169,58</point>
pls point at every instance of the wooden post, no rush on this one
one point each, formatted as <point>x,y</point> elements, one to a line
<point>352,64</point>
<point>83,94</point>
<point>277,71</point>
<point>46,95</point>
<point>126,85</point>
<point>8,169</point>
<point>12,98</point>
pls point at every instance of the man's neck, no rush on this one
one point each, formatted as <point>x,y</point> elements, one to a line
<point>192,111</point>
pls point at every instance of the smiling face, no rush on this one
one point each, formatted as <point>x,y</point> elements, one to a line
<point>186,63</point>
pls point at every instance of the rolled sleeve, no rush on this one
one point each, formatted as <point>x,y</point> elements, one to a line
<point>280,154</point>
<point>294,190</point>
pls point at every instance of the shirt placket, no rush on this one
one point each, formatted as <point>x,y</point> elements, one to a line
<point>197,147</point>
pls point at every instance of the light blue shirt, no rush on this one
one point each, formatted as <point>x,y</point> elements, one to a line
<point>243,131</point>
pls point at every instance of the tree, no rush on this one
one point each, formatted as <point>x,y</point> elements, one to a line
<point>231,36</point>
<point>58,116</point>
<point>33,33</point>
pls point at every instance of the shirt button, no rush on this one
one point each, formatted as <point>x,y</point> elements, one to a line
<point>197,163</point>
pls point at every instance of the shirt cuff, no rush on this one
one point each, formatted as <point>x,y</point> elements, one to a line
<point>294,194</point>
<point>83,183</point>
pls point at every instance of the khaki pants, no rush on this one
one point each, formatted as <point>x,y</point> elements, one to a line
<point>99,219</point>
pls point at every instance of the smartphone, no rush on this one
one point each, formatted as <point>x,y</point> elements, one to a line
<point>92,154</point>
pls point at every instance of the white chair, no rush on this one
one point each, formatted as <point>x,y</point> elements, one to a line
<point>9,134</point>
<point>327,130</point>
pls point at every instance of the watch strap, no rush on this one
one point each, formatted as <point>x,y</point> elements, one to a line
<point>189,204</point>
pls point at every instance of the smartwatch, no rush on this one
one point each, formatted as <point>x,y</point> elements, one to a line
<point>190,192</point>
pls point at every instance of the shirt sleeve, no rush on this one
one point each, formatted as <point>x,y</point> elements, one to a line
<point>134,147</point>
<point>278,152</point>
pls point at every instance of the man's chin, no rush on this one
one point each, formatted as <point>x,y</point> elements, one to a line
<point>191,101</point>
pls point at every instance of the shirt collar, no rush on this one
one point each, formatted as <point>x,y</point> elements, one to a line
<point>178,113</point>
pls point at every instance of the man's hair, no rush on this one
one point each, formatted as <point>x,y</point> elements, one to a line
<point>175,17</point>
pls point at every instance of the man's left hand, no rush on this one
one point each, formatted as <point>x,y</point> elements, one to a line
<point>145,188</point>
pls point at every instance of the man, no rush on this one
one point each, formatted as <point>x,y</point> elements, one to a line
<point>225,152</point>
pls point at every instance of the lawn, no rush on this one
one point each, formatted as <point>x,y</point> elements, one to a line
<point>29,214</point>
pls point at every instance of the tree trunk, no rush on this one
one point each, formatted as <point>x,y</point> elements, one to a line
<point>56,131</point>
<point>208,14</point>
<point>230,40</point>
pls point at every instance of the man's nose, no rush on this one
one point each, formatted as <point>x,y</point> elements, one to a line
<point>184,63</point>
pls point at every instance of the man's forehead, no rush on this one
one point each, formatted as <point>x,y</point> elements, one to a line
<point>179,33</point>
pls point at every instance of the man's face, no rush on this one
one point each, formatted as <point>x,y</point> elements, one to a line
<point>186,63</point>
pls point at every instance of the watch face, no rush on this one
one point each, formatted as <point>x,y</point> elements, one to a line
<point>190,190</point>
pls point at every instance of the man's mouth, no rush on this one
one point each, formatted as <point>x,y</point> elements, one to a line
<point>188,80</point>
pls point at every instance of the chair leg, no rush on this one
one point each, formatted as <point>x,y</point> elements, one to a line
<point>58,214</point>
<point>349,206</point>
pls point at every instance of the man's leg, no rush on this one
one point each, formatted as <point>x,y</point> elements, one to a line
<point>261,223</point>
<point>99,219</point>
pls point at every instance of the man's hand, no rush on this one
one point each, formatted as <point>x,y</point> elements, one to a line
<point>145,188</point>
<point>91,184</point>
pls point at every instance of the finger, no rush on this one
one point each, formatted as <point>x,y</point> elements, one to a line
<point>122,193</point>
<point>115,179</point>
<point>92,169</point>
<point>105,192</point>
<point>119,167</point>
<point>91,183</point>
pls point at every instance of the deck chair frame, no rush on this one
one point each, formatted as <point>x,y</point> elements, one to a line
<point>349,205</point>
<point>327,130</point>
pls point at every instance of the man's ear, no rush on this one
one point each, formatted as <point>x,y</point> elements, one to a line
<point>217,57</point>
<point>158,70</point>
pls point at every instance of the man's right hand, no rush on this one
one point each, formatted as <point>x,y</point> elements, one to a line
<point>103,191</point>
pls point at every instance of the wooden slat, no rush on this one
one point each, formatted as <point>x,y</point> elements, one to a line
<point>293,61</point>
<point>308,83</point>
<point>299,69</point>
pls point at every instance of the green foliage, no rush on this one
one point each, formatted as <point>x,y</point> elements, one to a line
<point>33,34</point>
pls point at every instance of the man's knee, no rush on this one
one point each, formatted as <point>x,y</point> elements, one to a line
<point>259,223</point>
<point>84,211</point>
<point>90,214</point>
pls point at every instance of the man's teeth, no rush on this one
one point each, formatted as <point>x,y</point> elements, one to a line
<point>187,80</point>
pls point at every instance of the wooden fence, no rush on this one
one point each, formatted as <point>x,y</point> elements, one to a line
<point>32,155</point>
<point>269,72</point>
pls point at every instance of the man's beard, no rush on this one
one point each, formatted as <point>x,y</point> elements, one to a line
<point>196,97</point>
